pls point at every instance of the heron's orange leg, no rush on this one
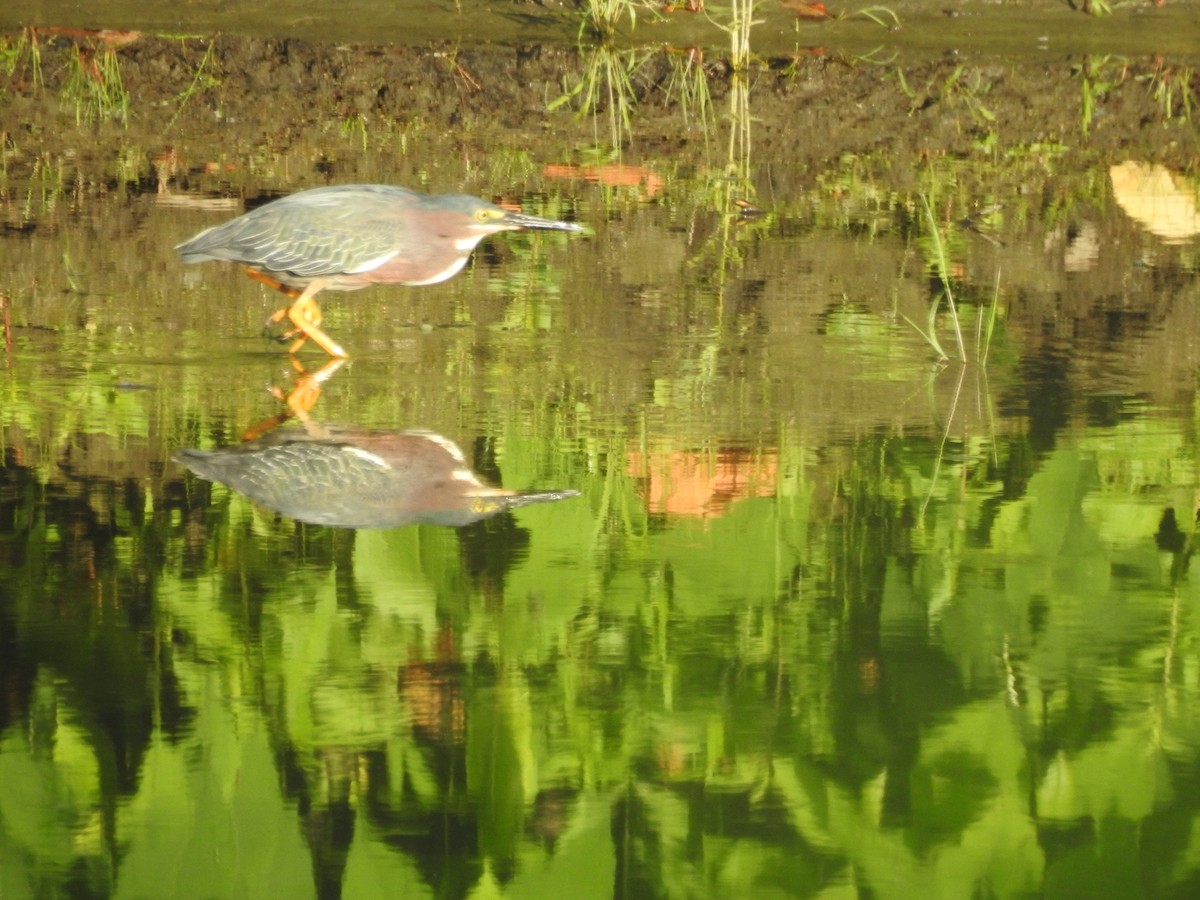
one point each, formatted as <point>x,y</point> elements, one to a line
<point>306,316</point>
<point>273,283</point>
<point>304,313</point>
<point>276,285</point>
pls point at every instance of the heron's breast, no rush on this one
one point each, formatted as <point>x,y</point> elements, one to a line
<point>428,268</point>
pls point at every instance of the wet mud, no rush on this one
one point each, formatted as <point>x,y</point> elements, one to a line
<point>197,100</point>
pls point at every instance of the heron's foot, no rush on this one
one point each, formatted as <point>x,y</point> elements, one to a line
<point>306,316</point>
<point>304,313</point>
<point>276,329</point>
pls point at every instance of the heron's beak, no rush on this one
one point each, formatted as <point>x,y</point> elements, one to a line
<point>517,220</point>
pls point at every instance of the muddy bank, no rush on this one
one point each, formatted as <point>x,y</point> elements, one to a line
<point>968,28</point>
<point>241,105</point>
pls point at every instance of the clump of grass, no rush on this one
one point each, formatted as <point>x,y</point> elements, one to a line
<point>22,57</point>
<point>606,84</point>
<point>602,17</point>
<point>741,20</point>
<point>688,83</point>
<point>1098,77</point>
<point>354,129</point>
<point>1171,88</point>
<point>936,243</point>
<point>939,262</point>
<point>95,86</point>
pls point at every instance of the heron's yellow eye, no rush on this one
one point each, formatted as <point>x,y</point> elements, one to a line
<point>485,214</point>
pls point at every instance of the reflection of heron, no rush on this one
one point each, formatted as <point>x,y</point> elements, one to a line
<point>346,237</point>
<point>299,401</point>
<point>360,479</point>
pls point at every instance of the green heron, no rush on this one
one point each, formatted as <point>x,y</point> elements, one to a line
<point>346,237</point>
<point>354,478</point>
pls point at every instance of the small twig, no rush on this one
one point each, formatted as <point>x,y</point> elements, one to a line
<point>194,87</point>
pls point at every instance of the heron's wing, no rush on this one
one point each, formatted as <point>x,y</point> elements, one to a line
<point>326,231</point>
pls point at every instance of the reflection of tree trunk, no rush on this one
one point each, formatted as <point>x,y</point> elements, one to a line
<point>1047,395</point>
<point>860,564</point>
<point>490,547</point>
<point>329,826</point>
<point>887,683</point>
<point>638,849</point>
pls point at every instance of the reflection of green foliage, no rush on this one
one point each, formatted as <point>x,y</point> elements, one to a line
<point>533,285</point>
<point>859,192</point>
<point>713,196</point>
<point>45,186</point>
<point>891,686</point>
